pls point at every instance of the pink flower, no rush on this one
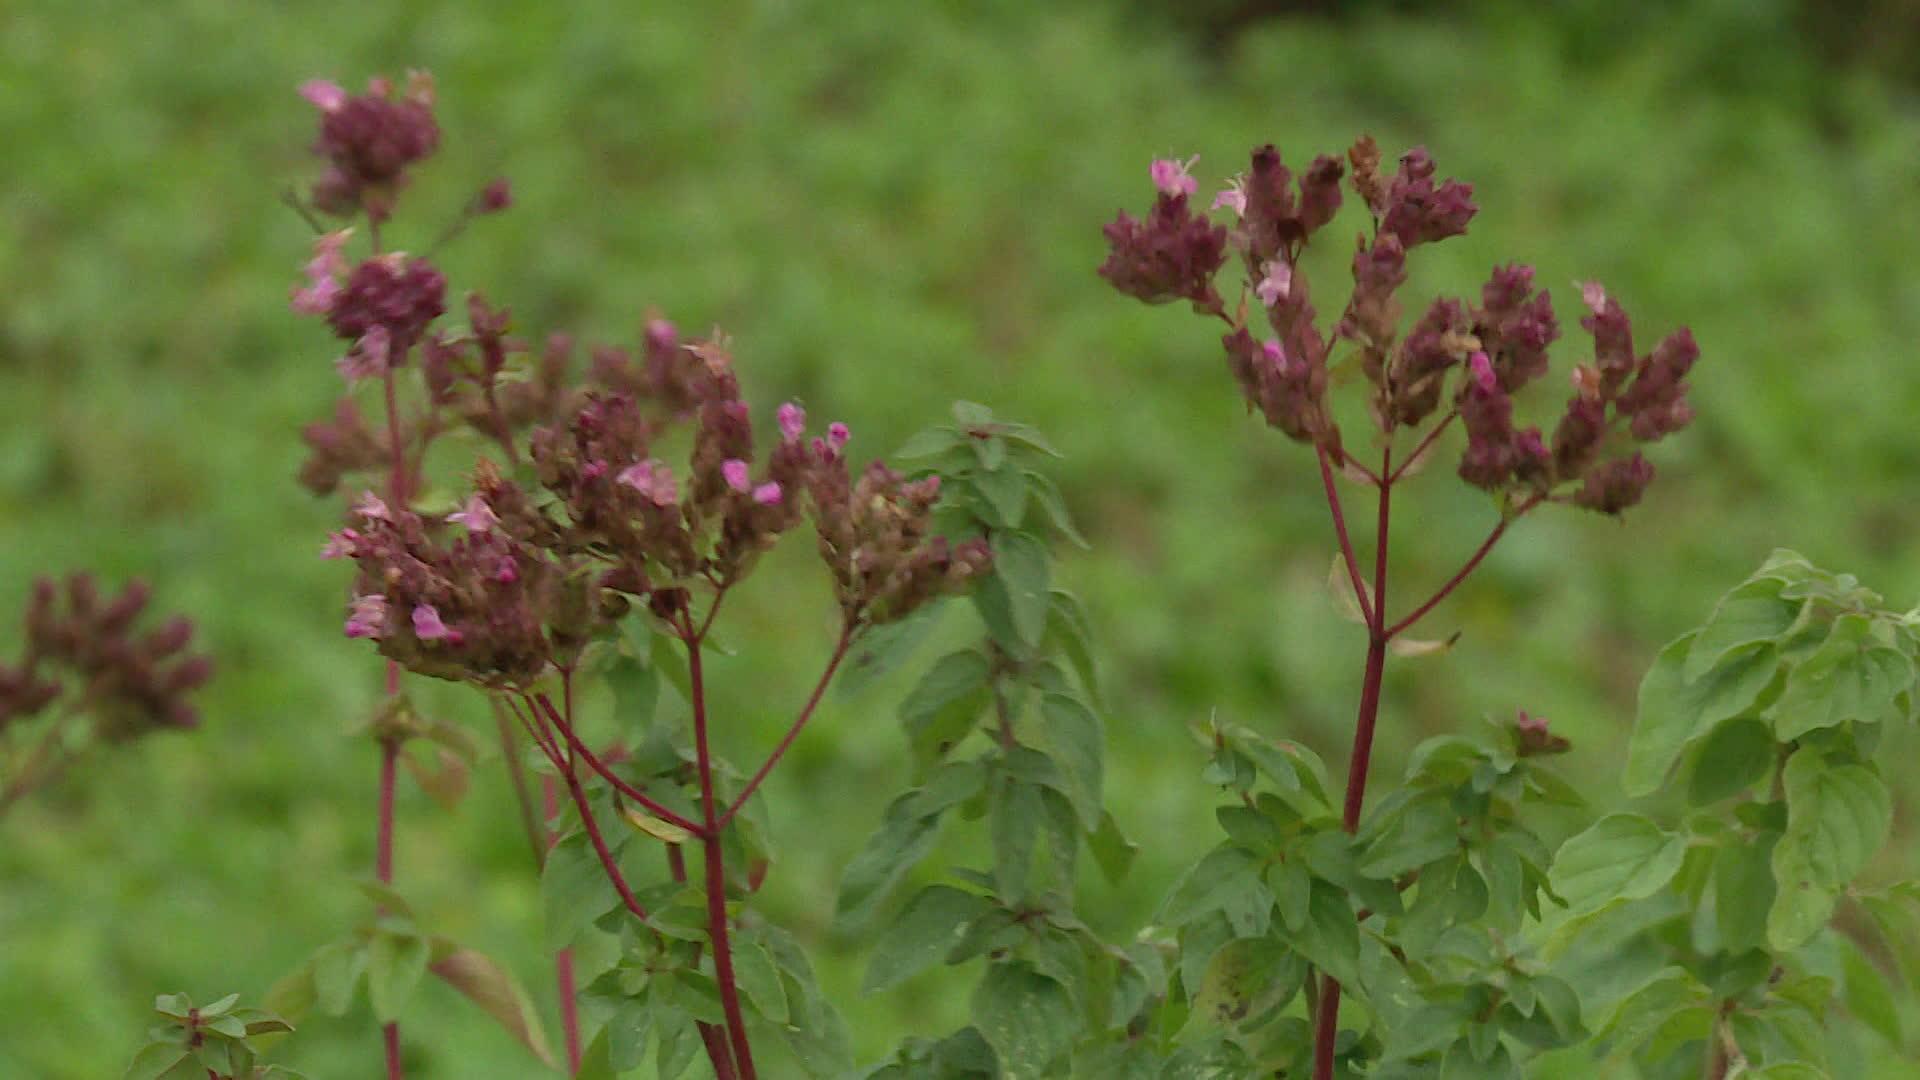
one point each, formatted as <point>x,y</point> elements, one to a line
<point>368,617</point>
<point>1274,287</point>
<point>340,545</point>
<point>372,507</point>
<point>652,478</point>
<point>1594,295</point>
<point>325,96</point>
<point>428,627</point>
<point>1483,376</point>
<point>1171,177</point>
<point>837,436</point>
<point>1277,357</point>
<point>735,472</point>
<point>593,470</point>
<point>477,516</point>
<point>369,358</point>
<point>508,572</point>
<point>324,272</point>
<point>661,334</point>
<point>767,494</point>
<point>1234,198</point>
<point>793,421</point>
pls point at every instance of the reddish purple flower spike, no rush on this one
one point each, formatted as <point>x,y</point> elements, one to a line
<point>1172,178</point>
<point>1172,255</point>
<point>369,141</point>
<point>367,617</point>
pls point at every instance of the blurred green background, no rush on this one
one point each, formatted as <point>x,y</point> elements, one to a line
<point>890,206</point>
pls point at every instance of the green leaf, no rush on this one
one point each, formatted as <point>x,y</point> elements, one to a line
<point>1731,760</point>
<point>336,975</point>
<point>1068,629</point>
<point>1016,811</point>
<point>901,842</point>
<point>930,442</point>
<point>1005,493</point>
<point>1674,712</point>
<point>1245,978</point>
<point>1868,996</point>
<point>1111,848</point>
<point>1743,890</point>
<point>1621,856</point>
<point>1048,495</point>
<point>574,890</point>
<point>636,692</point>
<point>1077,740</point>
<point>395,965</point>
<point>155,1060</point>
<point>1788,1070</point>
<point>1752,612</point>
<point>929,927</point>
<point>175,1006</point>
<point>444,779</point>
<point>1850,676</point>
<point>1026,1017</point>
<point>1331,937</point>
<point>757,975</point>
<point>1837,817</point>
<point>494,990</point>
<point>880,650</point>
<point>1022,566</point>
<point>1227,879</point>
<point>943,706</point>
<point>1643,1013</point>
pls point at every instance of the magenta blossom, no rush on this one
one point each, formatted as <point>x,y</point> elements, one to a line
<point>428,627</point>
<point>767,494</point>
<point>652,478</point>
<point>325,96</point>
<point>368,617</point>
<point>1233,197</point>
<point>1594,295</point>
<point>340,545</point>
<point>324,273</point>
<point>1172,178</point>
<point>1277,283</point>
<point>370,357</point>
<point>1483,376</point>
<point>735,472</point>
<point>477,516</point>
<point>793,421</point>
<point>372,507</point>
<point>837,436</point>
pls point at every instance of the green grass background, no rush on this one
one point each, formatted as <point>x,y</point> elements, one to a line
<point>890,205</point>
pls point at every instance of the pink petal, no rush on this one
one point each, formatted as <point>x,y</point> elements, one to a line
<point>368,617</point>
<point>837,436</point>
<point>1594,295</point>
<point>793,421</point>
<point>325,96</point>
<point>372,507</point>
<point>477,516</point>
<point>1483,376</point>
<point>427,625</point>
<point>1171,177</point>
<point>340,545</point>
<point>767,494</point>
<point>735,472</point>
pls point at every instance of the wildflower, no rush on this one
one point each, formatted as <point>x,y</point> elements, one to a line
<point>372,507</point>
<point>325,96</point>
<point>340,545</point>
<point>1278,281</point>
<point>767,494</point>
<point>428,627</point>
<point>370,357</point>
<point>367,617</point>
<point>652,478</point>
<point>793,421</point>
<point>837,436</point>
<point>1172,178</point>
<point>477,516</point>
<point>324,272</point>
<point>735,472</point>
<point>1233,197</point>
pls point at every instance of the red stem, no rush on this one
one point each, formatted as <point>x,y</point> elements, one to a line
<point>716,871</point>
<point>592,827</point>
<point>579,749</point>
<point>563,959</point>
<point>1473,562</point>
<point>714,1039</point>
<point>1413,459</point>
<point>1346,544</point>
<point>390,1034</point>
<point>1327,1015</point>
<point>793,732</point>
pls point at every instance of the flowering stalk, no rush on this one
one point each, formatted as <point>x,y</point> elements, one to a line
<point>716,865</point>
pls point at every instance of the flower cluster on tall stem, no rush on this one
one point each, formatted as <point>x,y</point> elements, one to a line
<point>1459,361</point>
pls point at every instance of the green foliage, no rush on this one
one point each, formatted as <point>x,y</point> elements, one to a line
<point>223,1040</point>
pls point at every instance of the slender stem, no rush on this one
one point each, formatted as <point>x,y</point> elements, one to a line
<point>576,747</point>
<point>1327,1014</point>
<point>41,764</point>
<point>716,871</point>
<point>1346,544</point>
<point>1413,459</point>
<point>390,1035</point>
<point>599,843</point>
<point>711,1036</point>
<point>1471,564</point>
<point>383,850</point>
<point>389,746</point>
<point>793,732</point>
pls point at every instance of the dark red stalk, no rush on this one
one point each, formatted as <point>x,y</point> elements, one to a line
<point>711,1036</point>
<point>389,746</point>
<point>1327,1015</point>
<point>1471,564</point>
<point>1346,544</point>
<point>599,843</point>
<point>793,732</point>
<point>716,869</point>
<point>577,748</point>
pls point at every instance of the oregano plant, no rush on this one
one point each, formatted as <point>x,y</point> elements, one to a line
<point>567,540</point>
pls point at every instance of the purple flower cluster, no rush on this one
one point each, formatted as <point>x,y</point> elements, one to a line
<point>369,141</point>
<point>518,580</point>
<point>1471,359</point>
<point>129,683</point>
